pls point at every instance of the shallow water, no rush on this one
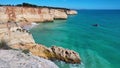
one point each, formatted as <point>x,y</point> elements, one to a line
<point>99,47</point>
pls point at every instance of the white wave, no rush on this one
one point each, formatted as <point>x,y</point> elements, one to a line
<point>28,27</point>
<point>77,65</point>
<point>33,24</point>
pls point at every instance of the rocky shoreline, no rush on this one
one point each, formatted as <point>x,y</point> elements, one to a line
<point>21,39</point>
<point>18,38</point>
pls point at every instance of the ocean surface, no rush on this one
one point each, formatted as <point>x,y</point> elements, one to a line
<point>98,47</point>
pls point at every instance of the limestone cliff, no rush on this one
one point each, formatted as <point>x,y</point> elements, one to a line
<point>18,38</point>
<point>15,37</point>
<point>32,14</point>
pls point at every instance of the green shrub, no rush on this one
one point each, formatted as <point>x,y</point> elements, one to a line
<point>25,51</point>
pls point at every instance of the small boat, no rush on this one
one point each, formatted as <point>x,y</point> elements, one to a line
<point>95,25</point>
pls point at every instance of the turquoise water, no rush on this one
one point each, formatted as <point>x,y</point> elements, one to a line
<point>99,47</point>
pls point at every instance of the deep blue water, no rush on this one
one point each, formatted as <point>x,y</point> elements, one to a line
<point>99,47</point>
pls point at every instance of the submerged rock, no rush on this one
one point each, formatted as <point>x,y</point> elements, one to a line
<point>17,59</point>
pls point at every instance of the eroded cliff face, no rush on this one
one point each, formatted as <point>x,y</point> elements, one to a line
<point>32,14</point>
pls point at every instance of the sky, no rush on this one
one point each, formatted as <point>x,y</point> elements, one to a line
<point>73,4</point>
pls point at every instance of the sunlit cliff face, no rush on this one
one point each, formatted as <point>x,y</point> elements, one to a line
<point>31,14</point>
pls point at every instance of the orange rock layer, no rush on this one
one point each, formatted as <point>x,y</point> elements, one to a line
<point>32,14</point>
<point>53,53</point>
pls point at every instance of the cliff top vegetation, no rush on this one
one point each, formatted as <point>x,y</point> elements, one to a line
<point>33,5</point>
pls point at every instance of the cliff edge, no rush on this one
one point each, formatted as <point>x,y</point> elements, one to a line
<point>32,14</point>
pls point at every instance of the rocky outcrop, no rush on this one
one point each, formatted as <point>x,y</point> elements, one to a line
<point>66,55</point>
<point>53,53</point>
<point>71,12</point>
<point>18,38</point>
<point>32,14</point>
<point>16,35</point>
<point>18,59</point>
